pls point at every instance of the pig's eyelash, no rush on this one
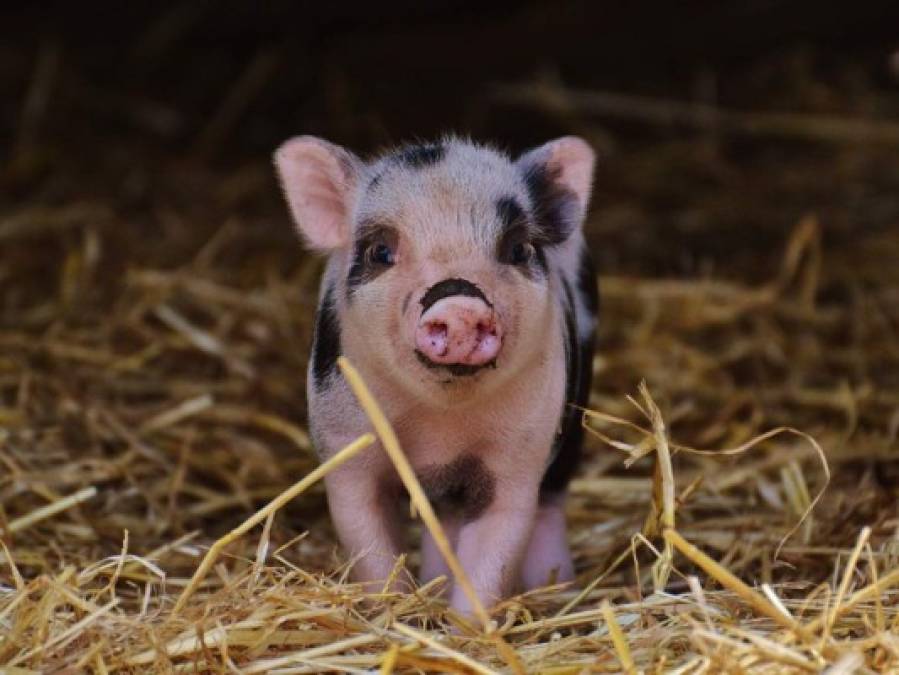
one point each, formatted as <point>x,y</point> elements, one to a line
<point>375,229</point>
<point>372,234</point>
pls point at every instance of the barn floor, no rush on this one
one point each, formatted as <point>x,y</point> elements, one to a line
<point>155,315</point>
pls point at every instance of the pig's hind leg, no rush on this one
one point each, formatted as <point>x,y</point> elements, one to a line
<point>548,558</point>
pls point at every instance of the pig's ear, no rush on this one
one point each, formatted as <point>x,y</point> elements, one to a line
<point>318,179</point>
<point>559,177</point>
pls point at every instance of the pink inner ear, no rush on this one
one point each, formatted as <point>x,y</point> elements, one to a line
<point>575,160</point>
<point>317,178</point>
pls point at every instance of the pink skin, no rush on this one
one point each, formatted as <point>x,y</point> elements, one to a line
<point>491,548</point>
<point>459,330</point>
<point>548,557</point>
<point>433,564</point>
<point>517,539</point>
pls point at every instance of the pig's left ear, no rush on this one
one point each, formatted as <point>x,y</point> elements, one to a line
<point>318,179</point>
<point>559,177</point>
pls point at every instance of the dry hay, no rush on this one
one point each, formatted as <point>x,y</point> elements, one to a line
<point>149,406</point>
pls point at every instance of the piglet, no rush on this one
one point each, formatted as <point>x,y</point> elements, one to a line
<point>459,284</point>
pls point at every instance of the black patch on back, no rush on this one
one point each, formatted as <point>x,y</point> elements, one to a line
<point>325,339</point>
<point>419,156</point>
<point>578,378</point>
<point>586,282</point>
<point>465,487</point>
<point>555,208</point>
<point>450,287</point>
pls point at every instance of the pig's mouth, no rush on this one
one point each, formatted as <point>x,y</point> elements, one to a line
<point>459,331</point>
<point>454,369</point>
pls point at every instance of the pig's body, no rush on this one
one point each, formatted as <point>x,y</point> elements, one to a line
<point>460,287</point>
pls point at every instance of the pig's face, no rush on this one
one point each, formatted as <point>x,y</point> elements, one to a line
<point>441,272</point>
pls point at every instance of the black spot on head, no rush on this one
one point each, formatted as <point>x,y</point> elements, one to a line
<point>373,183</point>
<point>465,487</point>
<point>510,212</point>
<point>325,339</point>
<point>418,156</point>
<point>450,287</point>
<point>517,228</point>
<point>556,208</point>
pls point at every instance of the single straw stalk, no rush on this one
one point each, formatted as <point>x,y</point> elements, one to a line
<point>844,583</point>
<point>51,509</point>
<point>289,494</point>
<point>665,484</point>
<point>618,639</point>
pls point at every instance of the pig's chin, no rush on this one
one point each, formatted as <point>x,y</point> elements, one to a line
<point>448,373</point>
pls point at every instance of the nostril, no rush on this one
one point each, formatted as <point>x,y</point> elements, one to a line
<point>436,329</point>
<point>485,329</point>
<point>435,337</point>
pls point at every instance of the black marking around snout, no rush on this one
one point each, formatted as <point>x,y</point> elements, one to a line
<point>454,369</point>
<point>556,209</point>
<point>450,287</point>
<point>464,488</point>
<point>420,156</point>
<point>325,339</point>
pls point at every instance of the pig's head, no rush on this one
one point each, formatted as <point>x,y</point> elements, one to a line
<point>441,255</point>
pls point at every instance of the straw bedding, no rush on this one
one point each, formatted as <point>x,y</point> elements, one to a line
<point>155,318</point>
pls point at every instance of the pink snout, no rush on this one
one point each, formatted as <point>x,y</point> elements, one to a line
<point>459,330</point>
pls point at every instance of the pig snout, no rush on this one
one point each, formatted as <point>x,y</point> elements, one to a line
<point>459,330</point>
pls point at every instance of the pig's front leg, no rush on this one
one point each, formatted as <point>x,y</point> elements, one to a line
<point>366,520</point>
<point>548,557</point>
<point>433,564</point>
<point>491,547</point>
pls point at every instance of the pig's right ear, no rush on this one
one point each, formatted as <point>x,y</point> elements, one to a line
<point>559,175</point>
<point>318,179</point>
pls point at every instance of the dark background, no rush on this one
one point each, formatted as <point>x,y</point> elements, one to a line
<point>145,102</point>
<point>368,74</point>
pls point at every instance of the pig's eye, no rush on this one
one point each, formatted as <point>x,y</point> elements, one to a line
<point>522,253</point>
<point>380,254</point>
